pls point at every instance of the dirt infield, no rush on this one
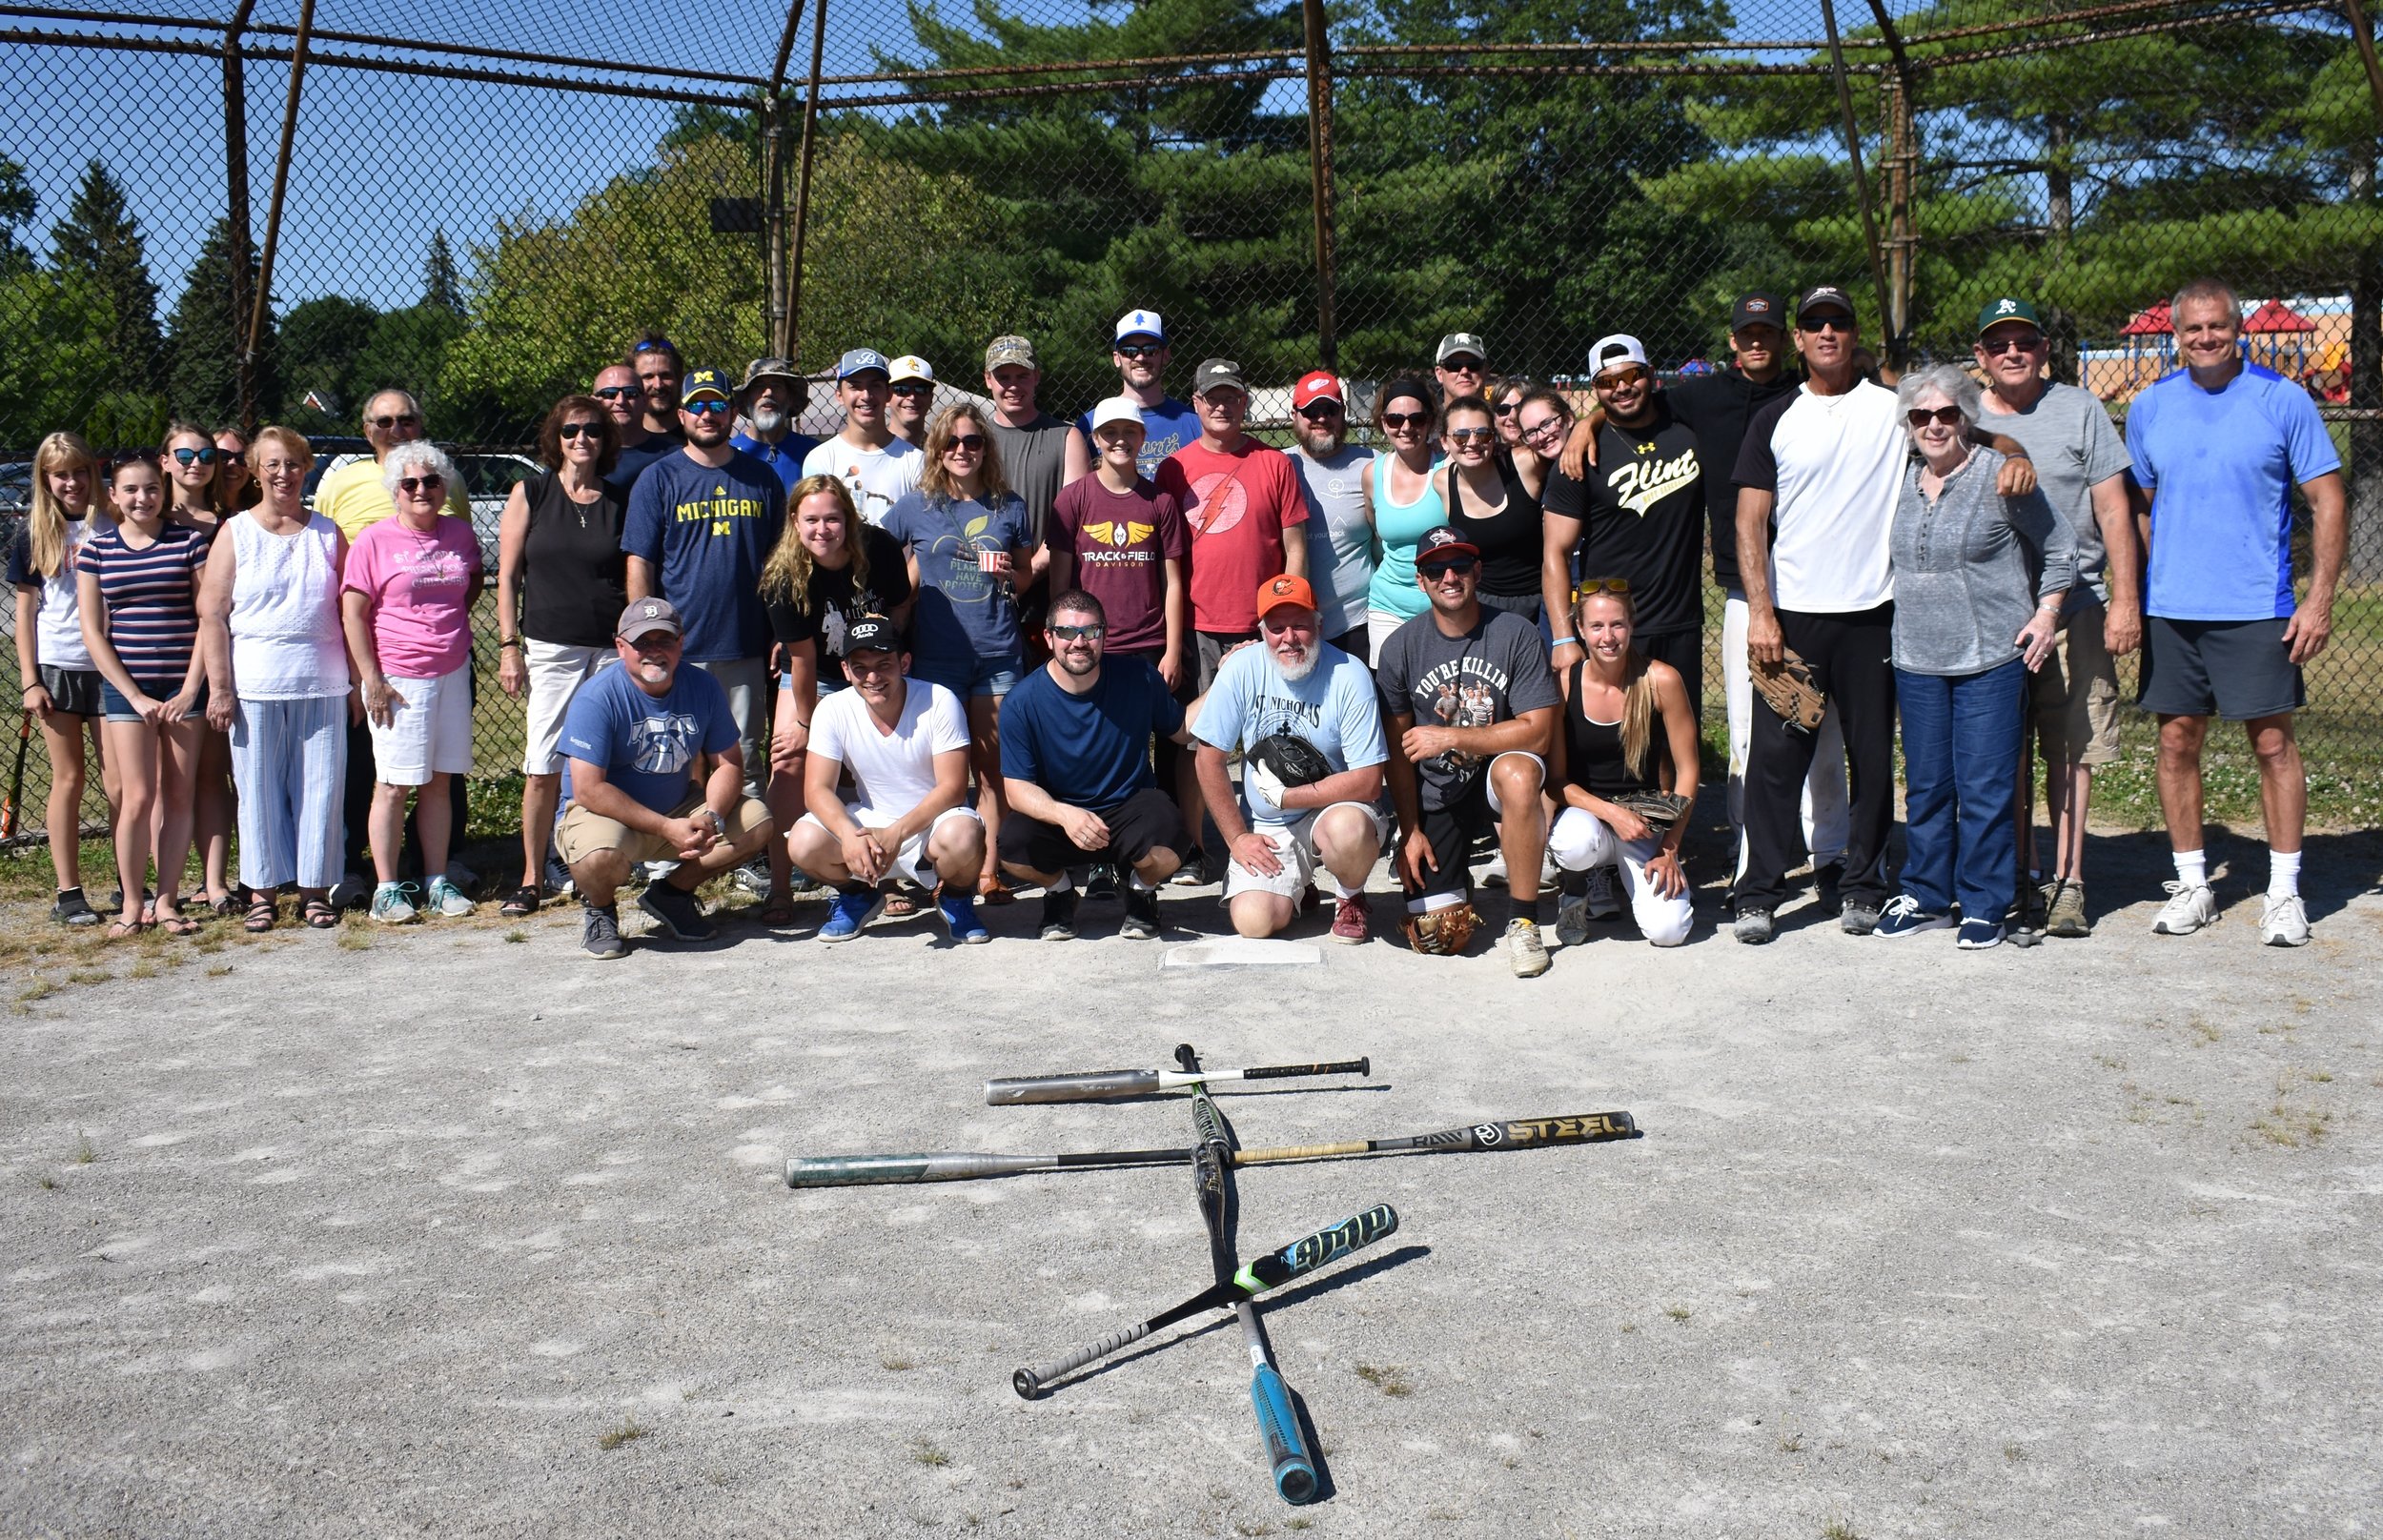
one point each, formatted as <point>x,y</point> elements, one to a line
<point>456,1236</point>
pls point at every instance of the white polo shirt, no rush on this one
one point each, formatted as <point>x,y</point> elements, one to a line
<point>1836,464</point>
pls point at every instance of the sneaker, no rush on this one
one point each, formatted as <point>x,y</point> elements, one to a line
<point>848,914</point>
<point>1752,927</point>
<point>1141,922</point>
<point>1903,916</point>
<point>1059,915</point>
<point>2066,915</point>
<point>679,912</point>
<point>2284,921</point>
<point>1602,902</point>
<point>959,912</point>
<point>1524,949</point>
<point>445,900</point>
<point>599,933</point>
<point>1353,921</point>
<point>74,909</point>
<point>1496,873</point>
<point>1193,872</point>
<point>1101,884</point>
<point>393,903</point>
<point>1827,875</point>
<point>2188,910</point>
<point>753,877</point>
<point>1857,919</point>
<point>1572,919</point>
<point>351,892</point>
<point>1977,935</point>
<point>556,876</point>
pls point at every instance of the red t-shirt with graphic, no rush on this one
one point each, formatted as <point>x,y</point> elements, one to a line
<point>1237,506</point>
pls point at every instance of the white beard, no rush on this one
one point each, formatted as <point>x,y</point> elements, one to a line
<point>1293,674</point>
<point>769,424</point>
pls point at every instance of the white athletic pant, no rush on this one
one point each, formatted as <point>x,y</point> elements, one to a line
<point>1580,840</point>
<point>290,761</point>
<point>1825,825</point>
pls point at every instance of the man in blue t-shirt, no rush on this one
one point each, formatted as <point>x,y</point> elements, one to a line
<point>701,526</point>
<point>771,401</point>
<point>1075,761</point>
<point>653,773</point>
<point>1140,353</point>
<point>2219,445</point>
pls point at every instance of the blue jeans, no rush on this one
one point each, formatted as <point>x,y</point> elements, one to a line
<point>1961,759</point>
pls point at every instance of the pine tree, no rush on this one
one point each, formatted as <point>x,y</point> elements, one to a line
<point>205,338</point>
<point>442,288</point>
<point>16,210</point>
<point>100,240</point>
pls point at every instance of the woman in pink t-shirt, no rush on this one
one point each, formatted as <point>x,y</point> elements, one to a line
<point>406,601</point>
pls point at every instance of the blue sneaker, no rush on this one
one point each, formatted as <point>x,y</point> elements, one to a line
<point>959,912</point>
<point>851,911</point>
<point>1903,917</point>
<point>1977,935</point>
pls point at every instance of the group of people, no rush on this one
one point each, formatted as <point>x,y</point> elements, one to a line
<point>942,651</point>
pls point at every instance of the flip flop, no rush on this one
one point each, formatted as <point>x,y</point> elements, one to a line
<point>522,904</point>
<point>124,930</point>
<point>178,923</point>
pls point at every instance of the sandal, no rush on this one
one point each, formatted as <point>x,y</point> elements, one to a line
<point>262,915</point>
<point>776,911</point>
<point>320,915</point>
<point>225,907</point>
<point>124,930</point>
<point>522,904</point>
<point>898,905</point>
<point>176,923</point>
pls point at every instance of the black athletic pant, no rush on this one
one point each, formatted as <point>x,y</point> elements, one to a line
<point>1850,659</point>
<point>1684,651</point>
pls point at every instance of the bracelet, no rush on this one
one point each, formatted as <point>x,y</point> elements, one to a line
<point>503,642</point>
<point>1563,641</point>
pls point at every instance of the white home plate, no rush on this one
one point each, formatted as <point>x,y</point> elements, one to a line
<point>1243,952</point>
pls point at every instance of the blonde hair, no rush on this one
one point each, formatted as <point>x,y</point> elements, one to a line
<point>788,573</point>
<point>289,441</point>
<point>45,524</point>
<point>1638,685</point>
<point>212,491</point>
<point>937,483</point>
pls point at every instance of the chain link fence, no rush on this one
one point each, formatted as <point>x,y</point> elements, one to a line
<point>489,209</point>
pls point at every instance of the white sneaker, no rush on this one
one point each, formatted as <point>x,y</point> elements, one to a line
<point>2190,909</point>
<point>2284,922</point>
<point>1494,875</point>
<point>753,877</point>
<point>1524,949</point>
<point>1572,919</point>
<point>393,903</point>
<point>447,899</point>
<point>1603,903</point>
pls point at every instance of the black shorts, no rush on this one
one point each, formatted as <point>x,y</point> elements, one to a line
<point>2236,669</point>
<point>1359,643</point>
<point>1453,830</point>
<point>1144,821</point>
<point>74,690</point>
<point>1214,645</point>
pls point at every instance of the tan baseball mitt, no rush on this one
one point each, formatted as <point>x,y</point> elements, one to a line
<point>1441,932</point>
<point>1786,687</point>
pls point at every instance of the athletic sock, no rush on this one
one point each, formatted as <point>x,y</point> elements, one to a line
<point>1065,883</point>
<point>1340,888</point>
<point>66,893</point>
<point>1520,907</point>
<point>1133,881</point>
<point>2193,868</point>
<point>2283,874</point>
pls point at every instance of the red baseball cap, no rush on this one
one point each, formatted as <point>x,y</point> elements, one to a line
<point>1323,385</point>
<point>1276,592</point>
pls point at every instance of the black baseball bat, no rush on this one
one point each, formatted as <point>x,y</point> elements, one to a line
<point>17,778</point>
<point>1519,1133</point>
<point>1109,1084</point>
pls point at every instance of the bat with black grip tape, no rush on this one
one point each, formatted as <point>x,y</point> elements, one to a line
<point>1271,1270</point>
<point>1113,1084</point>
<point>962,1166</point>
<point>16,781</point>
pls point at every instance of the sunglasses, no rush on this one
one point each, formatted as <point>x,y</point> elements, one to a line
<point>657,345</point>
<point>233,457</point>
<point>1472,435</point>
<point>194,457</point>
<point>1138,351</point>
<point>1508,409</point>
<point>1461,365</point>
<point>412,484</point>
<point>620,393</point>
<point>1920,416</point>
<point>1078,633</point>
<point>1828,323</point>
<point>965,444</point>
<point>913,390</point>
<point>1600,585</point>
<point>579,430</point>
<point>404,420</point>
<point>705,409</point>
<point>1621,378</point>
<point>1992,346</point>
<point>1319,410</point>
<point>1406,419</point>
<point>1453,566</point>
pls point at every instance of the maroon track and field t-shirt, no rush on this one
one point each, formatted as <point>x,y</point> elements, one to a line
<point>1121,542</point>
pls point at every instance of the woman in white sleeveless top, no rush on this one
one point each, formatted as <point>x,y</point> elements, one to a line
<point>278,681</point>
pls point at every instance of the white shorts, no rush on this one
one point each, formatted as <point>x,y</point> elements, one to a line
<point>911,862</point>
<point>556,670</point>
<point>1294,846</point>
<point>429,735</point>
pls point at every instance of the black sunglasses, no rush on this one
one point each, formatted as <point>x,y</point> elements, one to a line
<point>577,430</point>
<point>404,420</point>
<point>194,457</point>
<point>1319,411</point>
<point>1406,419</point>
<point>412,484</point>
<point>1827,323</point>
<point>1137,350</point>
<point>965,444</point>
<point>233,457</point>
<point>1459,566</point>
<point>908,388</point>
<point>1991,346</point>
<point>620,393</point>
<point>1920,417</point>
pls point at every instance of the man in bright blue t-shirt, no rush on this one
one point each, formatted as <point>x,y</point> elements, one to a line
<point>772,400</point>
<point>634,737</point>
<point>1140,353</point>
<point>2219,445</point>
<point>1075,763</point>
<point>701,525</point>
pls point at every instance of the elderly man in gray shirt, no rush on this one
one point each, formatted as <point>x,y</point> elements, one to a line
<point>1980,580</point>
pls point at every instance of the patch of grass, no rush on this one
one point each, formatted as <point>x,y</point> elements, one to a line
<point>923,1452</point>
<point>1791,1443</point>
<point>895,1363</point>
<point>1253,1526</point>
<point>142,968</point>
<point>355,938</point>
<point>1389,1379</point>
<point>37,989</point>
<point>629,1430</point>
<point>2110,1060</point>
<point>516,936</point>
<point>1295,1526</point>
<point>46,1183</point>
<point>88,976</point>
<point>1837,1529</point>
<point>216,970</point>
<point>1677,1312</point>
<point>2014,1453</point>
<point>84,1152</point>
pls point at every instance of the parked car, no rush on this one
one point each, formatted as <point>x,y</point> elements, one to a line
<point>489,477</point>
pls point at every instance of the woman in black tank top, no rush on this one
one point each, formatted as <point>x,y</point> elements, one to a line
<point>1489,500</point>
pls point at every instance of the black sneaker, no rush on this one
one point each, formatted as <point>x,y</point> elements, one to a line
<point>600,934</point>
<point>74,909</point>
<point>1193,870</point>
<point>1141,922</point>
<point>679,912</point>
<point>556,876</point>
<point>1059,916</point>
<point>1101,885</point>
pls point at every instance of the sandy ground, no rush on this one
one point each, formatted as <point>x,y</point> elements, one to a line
<point>2075,1241</point>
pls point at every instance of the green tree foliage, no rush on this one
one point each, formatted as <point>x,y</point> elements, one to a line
<point>320,340</point>
<point>204,340</point>
<point>100,240</point>
<point>17,207</point>
<point>407,351</point>
<point>60,359</point>
<point>442,288</point>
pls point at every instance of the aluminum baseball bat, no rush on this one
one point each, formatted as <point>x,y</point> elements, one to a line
<point>1111,1084</point>
<point>1295,1473</point>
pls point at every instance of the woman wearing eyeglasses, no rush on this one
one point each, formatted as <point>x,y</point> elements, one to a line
<point>971,554</point>
<point>1627,727</point>
<point>278,684</point>
<point>193,475</point>
<point>1489,501</point>
<point>406,601</point>
<point>1406,506</point>
<point>1979,582</point>
<point>561,583</point>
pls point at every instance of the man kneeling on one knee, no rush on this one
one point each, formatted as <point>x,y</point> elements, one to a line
<point>906,743</point>
<point>633,736</point>
<point>1292,681</point>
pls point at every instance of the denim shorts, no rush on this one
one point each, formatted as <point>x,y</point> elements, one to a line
<point>994,677</point>
<point>117,709</point>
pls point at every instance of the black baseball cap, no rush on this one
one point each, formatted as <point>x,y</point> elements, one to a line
<point>1759,307</point>
<point>1438,541</point>
<point>872,634</point>
<point>1827,296</point>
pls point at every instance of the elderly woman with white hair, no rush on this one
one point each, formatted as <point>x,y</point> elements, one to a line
<point>1979,581</point>
<point>406,601</point>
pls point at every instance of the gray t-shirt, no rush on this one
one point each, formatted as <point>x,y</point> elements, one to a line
<point>1970,568</point>
<point>2069,435</point>
<point>1034,460</point>
<point>1493,673</point>
<point>1340,537</point>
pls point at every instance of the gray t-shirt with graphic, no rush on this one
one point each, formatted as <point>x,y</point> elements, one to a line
<point>2069,435</point>
<point>1491,674</point>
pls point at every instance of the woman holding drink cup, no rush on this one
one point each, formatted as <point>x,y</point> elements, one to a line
<point>969,555</point>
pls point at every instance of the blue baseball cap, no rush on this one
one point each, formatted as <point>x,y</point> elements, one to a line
<point>703,382</point>
<point>860,360</point>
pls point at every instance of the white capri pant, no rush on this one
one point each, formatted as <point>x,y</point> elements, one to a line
<point>429,735</point>
<point>1826,825</point>
<point>556,670</point>
<point>1580,840</point>
<point>911,863</point>
<point>290,759</point>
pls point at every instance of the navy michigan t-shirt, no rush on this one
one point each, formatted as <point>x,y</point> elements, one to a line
<point>707,532</point>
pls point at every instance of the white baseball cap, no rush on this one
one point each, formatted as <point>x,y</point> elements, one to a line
<point>1116,408</point>
<point>1135,324</point>
<point>1618,348</point>
<point>910,366</point>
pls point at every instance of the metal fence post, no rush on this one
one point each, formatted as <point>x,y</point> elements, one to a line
<point>1320,168</point>
<point>281,187</point>
<point>236,197</point>
<point>802,181</point>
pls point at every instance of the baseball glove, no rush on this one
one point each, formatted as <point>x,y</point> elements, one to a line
<point>1441,932</point>
<point>1279,761</point>
<point>1661,809</point>
<point>1786,687</point>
